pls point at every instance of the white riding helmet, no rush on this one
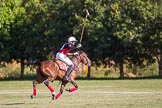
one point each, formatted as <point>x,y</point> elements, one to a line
<point>72,39</point>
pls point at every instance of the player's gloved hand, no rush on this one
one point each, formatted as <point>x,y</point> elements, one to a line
<point>79,45</point>
<point>76,53</point>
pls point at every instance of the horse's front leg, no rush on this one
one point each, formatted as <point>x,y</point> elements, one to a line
<point>61,89</point>
<point>74,88</point>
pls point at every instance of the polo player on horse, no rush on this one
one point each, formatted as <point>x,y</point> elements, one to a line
<point>63,54</point>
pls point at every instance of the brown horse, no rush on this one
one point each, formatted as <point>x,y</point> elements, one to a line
<point>55,70</point>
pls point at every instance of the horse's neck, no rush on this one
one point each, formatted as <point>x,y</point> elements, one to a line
<point>76,61</point>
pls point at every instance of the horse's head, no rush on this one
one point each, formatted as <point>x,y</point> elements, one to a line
<point>84,58</point>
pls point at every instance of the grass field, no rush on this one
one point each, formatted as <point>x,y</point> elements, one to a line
<point>91,94</point>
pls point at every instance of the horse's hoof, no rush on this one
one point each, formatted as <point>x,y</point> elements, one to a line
<point>32,96</point>
<point>53,97</point>
<point>68,90</point>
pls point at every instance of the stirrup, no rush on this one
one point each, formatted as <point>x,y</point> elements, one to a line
<point>66,79</point>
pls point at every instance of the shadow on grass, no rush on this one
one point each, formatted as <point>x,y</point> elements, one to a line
<point>14,103</point>
<point>126,78</point>
<point>26,77</point>
<point>33,77</point>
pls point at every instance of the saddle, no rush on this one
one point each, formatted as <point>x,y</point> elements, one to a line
<point>62,66</point>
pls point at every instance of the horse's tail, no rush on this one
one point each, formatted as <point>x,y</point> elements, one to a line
<point>39,73</point>
<point>38,64</point>
<point>35,63</point>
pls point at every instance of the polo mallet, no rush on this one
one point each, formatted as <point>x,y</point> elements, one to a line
<point>81,36</point>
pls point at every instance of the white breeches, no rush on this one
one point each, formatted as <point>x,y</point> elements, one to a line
<point>64,58</point>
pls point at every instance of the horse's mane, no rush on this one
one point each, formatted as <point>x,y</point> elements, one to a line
<point>82,52</point>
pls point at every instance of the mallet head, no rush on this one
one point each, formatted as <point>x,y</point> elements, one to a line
<point>87,12</point>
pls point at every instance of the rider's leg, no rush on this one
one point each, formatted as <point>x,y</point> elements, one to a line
<point>65,59</point>
<point>68,72</point>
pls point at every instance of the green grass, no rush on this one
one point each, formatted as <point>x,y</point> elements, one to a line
<point>91,94</point>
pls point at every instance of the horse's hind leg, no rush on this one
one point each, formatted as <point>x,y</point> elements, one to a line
<point>74,88</point>
<point>35,82</point>
<point>46,82</point>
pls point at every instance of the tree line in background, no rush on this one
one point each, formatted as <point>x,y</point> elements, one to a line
<point>126,31</point>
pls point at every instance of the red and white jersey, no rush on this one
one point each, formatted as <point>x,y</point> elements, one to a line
<point>66,48</point>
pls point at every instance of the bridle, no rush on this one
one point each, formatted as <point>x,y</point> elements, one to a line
<point>86,63</point>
